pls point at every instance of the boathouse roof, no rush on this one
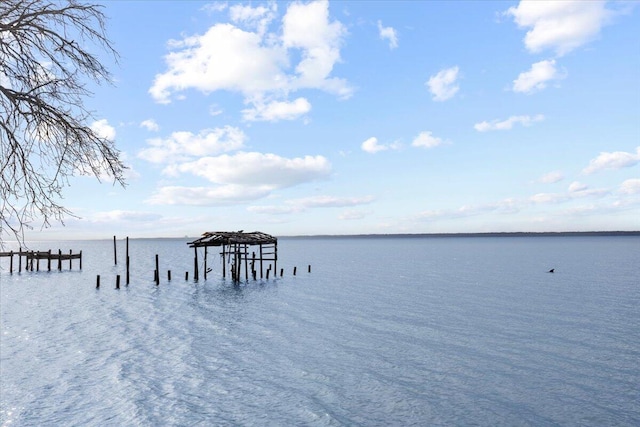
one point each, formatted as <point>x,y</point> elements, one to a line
<point>219,238</point>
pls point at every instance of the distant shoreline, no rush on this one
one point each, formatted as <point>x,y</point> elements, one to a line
<point>489,234</point>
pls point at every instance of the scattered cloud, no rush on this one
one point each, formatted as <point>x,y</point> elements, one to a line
<point>150,125</point>
<point>103,129</point>
<point>561,26</point>
<point>426,140</point>
<point>576,186</point>
<point>508,123</point>
<point>372,146</point>
<point>277,110</point>
<point>267,171</point>
<point>551,177</point>
<point>183,145</point>
<point>351,215</point>
<point>537,77</point>
<point>389,34</point>
<point>207,196</point>
<point>614,160</point>
<point>630,186</point>
<point>443,84</point>
<point>244,57</point>
<point>330,201</point>
<point>125,216</point>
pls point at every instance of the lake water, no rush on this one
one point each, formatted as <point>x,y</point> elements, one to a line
<point>383,332</point>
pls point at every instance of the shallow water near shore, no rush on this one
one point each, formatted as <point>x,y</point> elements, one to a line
<point>383,331</point>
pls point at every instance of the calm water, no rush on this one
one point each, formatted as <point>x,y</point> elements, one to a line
<point>383,331</point>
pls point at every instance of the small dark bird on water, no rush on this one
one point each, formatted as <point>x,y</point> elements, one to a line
<point>551,271</point>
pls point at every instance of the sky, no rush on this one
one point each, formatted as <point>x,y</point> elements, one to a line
<point>356,117</point>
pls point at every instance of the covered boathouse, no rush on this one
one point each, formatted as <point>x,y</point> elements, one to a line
<point>239,251</point>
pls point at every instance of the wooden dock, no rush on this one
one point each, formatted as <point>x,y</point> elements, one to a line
<point>32,259</point>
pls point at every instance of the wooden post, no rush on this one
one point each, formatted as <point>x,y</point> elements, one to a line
<point>49,261</point>
<point>186,276</point>
<point>11,262</point>
<point>275,256</point>
<point>246,262</point>
<point>70,253</point>
<point>281,272</point>
<point>80,260</point>
<point>20,260</point>
<point>59,259</point>
<point>309,269</point>
<point>261,260</point>
<point>169,275</point>
<point>127,278</point>
<point>118,281</point>
<point>294,270</point>
<point>195,265</point>
<point>205,263</point>
<point>224,264</point>
<point>157,271</point>
<point>37,262</point>
<point>98,281</point>
<point>268,273</point>
<point>127,260</point>
<point>115,254</point>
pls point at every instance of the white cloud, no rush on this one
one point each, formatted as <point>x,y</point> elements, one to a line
<point>125,216</point>
<point>351,215</point>
<point>372,146</point>
<point>150,125</point>
<point>551,177</point>
<point>103,129</point>
<point>207,196</point>
<point>443,85</point>
<point>277,110</point>
<point>576,186</point>
<point>183,145</point>
<point>257,18</point>
<point>330,201</point>
<point>426,140</point>
<point>244,57</point>
<point>508,123</point>
<point>257,169</point>
<point>388,33</point>
<point>537,77</point>
<point>614,160</point>
<point>630,186</point>
<point>561,26</point>
<point>273,210</point>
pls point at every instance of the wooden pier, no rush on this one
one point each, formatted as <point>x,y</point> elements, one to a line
<point>32,259</point>
<point>238,250</point>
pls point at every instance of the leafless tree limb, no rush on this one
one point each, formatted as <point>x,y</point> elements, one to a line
<point>45,133</point>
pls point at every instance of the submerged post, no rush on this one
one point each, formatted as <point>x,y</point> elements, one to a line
<point>157,271</point>
<point>115,255</point>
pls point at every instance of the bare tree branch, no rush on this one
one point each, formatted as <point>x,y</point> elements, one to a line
<point>45,133</point>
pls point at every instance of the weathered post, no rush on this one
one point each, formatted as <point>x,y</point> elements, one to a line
<point>261,260</point>
<point>70,258</point>
<point>118,281</point>
<point>98,281</point>
<point>205,263</point>
<point>11,262</point>
<point>49,261</point>
<point>80,260</point>
<point>127,260</point>
<point>169,275</point>
<point>294,270</point>
<point>20,260</point>
<point>195,264</point>
<point>224,264</point>
<point>127,278</point>
<point>186,276</point>
<point>309,269</point>
<point>281,272</point>
<point>115,254</point>
<point>59,259</point>
<point>157,271</point>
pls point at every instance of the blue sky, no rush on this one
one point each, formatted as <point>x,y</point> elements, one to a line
<point>367,117</point>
